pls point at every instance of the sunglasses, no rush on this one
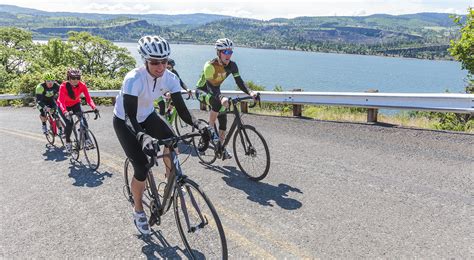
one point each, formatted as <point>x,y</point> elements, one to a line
<point>49,81</point>
<point>227,52</point>
<point>75,77</point>
<point>157,62</point>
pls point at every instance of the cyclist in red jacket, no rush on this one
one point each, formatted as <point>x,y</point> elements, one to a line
<point>69,102</point>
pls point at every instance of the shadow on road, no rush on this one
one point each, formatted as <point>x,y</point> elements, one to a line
<point>157,247</point>
<point>84,177</point>
<point>263,193</point>
<point>54,154</point>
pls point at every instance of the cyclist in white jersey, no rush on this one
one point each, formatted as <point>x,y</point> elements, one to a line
<point>135,121</point>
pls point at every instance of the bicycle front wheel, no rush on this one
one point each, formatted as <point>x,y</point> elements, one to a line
<point>181,127</point>
<point>91,150</point>
<point>251,153</point>
<point>50,134</point>
<point>198,223</point>
<point>151,198</point>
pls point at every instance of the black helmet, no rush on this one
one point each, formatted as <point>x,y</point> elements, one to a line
<point>171,62</point>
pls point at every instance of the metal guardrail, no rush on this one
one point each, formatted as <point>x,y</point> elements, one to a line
<point>443,102</point>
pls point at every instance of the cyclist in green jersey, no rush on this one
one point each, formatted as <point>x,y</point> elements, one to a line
<point>208,86</point>
<point>46,94</point>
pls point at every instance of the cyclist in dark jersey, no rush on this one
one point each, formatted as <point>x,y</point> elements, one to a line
<point>208,86</point>
<point>161,100</point>
<point>46,94</point>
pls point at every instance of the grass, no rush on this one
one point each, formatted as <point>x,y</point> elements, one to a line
<point>347,114</point>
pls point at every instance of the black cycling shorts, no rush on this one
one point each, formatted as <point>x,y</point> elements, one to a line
<point>155,126</point>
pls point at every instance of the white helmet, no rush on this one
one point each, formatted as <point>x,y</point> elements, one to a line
<point>224,43</point>
<point>153,47</point>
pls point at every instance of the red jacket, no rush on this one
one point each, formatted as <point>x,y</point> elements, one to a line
<point>64,101</point>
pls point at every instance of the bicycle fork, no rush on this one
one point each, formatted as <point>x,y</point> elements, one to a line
<point>204,221</point>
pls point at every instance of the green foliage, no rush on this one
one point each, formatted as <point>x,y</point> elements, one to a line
<point>16,49</point>
<point>99,57</point>
<point>56,53</point>
<point>23,63</point>
<point>251,85</point>
<point>463,48</point>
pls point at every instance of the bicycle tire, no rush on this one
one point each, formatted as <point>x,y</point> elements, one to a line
<point>49,134</point>
<point>205,152</point>
<point>127,176</point>
<point>76,146</point>
<point>244,133</point>
<point>88,150</point>
<point>181,127</point>
<point>150,199</point>
<point>211,241</point>
<point>59,124</point>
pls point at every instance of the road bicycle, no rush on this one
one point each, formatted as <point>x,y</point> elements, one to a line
<point>249,146</point>
<point>198,222</point>
<point>81,134</point>
<point>55,126</point>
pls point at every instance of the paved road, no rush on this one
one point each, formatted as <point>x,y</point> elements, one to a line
<point>335,190</point>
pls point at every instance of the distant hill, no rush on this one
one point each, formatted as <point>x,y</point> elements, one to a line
<point>422,35</point>
<point>158,19</point>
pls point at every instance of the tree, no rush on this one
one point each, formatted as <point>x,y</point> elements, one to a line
<point>16,47</point>
<point>99,57</point>
<point>57,53</point>
<point>463,48</point>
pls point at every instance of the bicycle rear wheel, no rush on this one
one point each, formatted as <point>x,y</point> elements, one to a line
<point>50,134</point>
<point>206,151</point>
<point>251,153</point>
<point>198,223</point>
<point>91,152</point>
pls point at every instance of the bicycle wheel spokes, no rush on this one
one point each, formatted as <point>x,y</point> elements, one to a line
<point>50,134</point>
<point>181,127</point>
<point>149,199</point>
<point>198,223</point>
<point>205,152</point>
<point>91,151</point>
<point>251,153</point>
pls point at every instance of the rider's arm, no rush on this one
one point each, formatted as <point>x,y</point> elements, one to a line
<point>238,80</point>
<point>130,105</point>
<point>87,96</point>
<point>183,111</point>
<point>172,85</point>
<point>183,86</point>
<point>62,98</point>
<point>39,95</point>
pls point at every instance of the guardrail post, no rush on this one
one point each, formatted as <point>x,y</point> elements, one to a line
<point>244,107</point>
<point>113,101</point>
<point>372,112</point>
<point>297,109</point>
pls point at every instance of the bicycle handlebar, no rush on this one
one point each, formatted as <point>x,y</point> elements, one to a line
<point>257,100</point>
<point>97,114</point>
<point>168,142</point>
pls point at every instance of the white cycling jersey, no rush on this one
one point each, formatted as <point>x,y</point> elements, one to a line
<point>141,84</point>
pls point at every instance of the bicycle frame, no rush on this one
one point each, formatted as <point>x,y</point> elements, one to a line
<point>237,123</point>
<point>175,176</point>
<point>82,128</point>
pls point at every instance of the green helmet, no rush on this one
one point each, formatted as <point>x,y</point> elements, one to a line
<point>48,76</point>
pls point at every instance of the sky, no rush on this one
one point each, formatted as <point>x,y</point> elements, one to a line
<point>257,9</point>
